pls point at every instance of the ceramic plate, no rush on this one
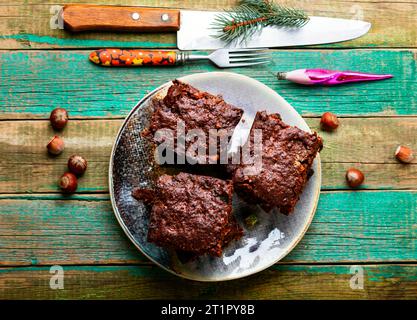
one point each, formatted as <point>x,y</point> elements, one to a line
<point>132,165</point>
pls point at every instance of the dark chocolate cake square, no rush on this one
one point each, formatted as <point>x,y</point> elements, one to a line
<point>287,156</point>
<point>192,214</point>
<point>195,110</point>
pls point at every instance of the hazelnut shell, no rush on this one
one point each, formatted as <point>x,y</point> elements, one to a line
<point>77,164</point>
<point>56,145</point>
<point>68,182</point>
<point>354,177</point>
<point>404,154</point>
<point>329,121</point>
<point>58,118</point>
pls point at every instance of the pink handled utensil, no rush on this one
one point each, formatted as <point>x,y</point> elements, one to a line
<point>323,77</point>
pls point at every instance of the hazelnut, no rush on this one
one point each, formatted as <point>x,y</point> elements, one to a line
<point>354,177</point>
<point>68,182</point>
<point>77,164</point>
<point>56,145</point>
<point>329,121</point>
<point>58,118</point>
<point>404,154</point>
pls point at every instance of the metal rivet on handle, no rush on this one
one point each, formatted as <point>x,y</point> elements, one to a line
<point>165,17</point>
<point>135,16</point>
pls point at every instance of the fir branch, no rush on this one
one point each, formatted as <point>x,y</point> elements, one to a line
<point>250,16</point>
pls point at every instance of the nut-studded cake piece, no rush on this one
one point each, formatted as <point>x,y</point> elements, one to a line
<point>195,110</point>
<point>191,213</point>
<point>287,156</point>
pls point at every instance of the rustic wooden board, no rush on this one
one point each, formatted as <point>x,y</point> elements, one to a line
<point>26,24</point>
<point>33,83</point>
<point>349,227</point>
<point>146,282</point>
<point>366,143</point>
<point>371,227</point>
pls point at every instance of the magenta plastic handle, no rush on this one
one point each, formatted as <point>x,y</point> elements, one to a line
<point>325,77</point>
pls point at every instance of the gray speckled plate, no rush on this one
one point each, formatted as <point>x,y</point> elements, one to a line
<point>275,234</point>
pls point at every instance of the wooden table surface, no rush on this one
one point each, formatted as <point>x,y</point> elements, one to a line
<point>374,228</point>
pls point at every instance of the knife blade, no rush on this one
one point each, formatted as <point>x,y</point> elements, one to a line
<point>195,33</point>
<point>194,30</point>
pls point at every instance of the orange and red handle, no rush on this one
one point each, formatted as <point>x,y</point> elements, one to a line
<point>133,58</point>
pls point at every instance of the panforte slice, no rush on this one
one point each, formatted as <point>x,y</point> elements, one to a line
<point>287,156</point>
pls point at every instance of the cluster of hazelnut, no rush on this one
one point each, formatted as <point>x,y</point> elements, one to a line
<point>355,177</point>
<point>76,164</point>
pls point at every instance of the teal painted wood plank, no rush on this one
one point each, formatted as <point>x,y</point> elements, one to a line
<point>74,42</point>
<point>348,227</point>
<point>54,230</point>
<point>150,282</point>
<point>34,82</point>
<point>361,226</point>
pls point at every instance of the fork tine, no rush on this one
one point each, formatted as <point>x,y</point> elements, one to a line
<point>236,65</point>
<point>227,58</point>
<point>248,53</point>
<point>248,59</point>
<point>266,55</point>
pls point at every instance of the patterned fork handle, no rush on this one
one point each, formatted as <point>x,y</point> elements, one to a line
<point>135,58</point>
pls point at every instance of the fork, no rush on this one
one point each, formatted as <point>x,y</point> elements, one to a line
<point>222,58</point>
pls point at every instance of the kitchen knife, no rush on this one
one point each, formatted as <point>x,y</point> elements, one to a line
<point>194,27</point>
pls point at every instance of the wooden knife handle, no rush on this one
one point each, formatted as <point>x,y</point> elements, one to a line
<point>114,18</point>
<point>133,58</point>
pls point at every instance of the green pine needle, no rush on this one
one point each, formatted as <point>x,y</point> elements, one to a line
<point>250,16</point>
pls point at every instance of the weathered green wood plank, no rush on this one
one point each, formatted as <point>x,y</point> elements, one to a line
<point>37,231</point>
<point>367,143</point>
<point>25,24</point>
<point>35,82</point>
<point>145,282</point>
<point>348,227</point>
